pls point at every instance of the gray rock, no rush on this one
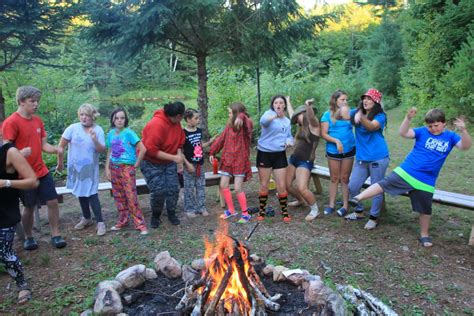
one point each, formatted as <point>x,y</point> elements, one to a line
<point>316,293</point>
<point>298,278</point>
<point>109,284</point>
<point>87,312</point>
<point>167,265</point>
<point>133,276</point>
<point>198,264</point>
<point>150,274</point>
<point>254,259</point>
<point>189,274</point>
<point>268,270</point>
<point>278,273</point>
<point>108,302</point>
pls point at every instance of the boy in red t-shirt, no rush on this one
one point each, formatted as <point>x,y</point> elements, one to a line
<point>26,131</point>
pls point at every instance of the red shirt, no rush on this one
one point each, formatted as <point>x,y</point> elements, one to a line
<point>235,146</point>
<point>161,134</point>
<point>23,132</point>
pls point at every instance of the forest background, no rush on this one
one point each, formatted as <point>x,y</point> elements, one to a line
<point>418,53</point>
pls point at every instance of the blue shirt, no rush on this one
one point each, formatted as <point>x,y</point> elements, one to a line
<point>123,146</point>
<point>428,155</point>
<point>275,133</point>
<point>371,145</point>
<point>340,129</point>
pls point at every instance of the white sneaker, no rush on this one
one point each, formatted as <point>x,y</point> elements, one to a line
<point>371,224</point>
<point>312,215</point>
<point>144,232</point>
<point>83,224</point>
<point>101,230</point>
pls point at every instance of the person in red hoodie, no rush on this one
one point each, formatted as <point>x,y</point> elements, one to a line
<point>163,138</point>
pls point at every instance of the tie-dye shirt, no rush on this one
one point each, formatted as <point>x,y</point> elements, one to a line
<point>123,146</point>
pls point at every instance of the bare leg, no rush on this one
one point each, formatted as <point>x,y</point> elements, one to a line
<point>334,171</point>
<point>280,179</point>
<point>370,192</point>
<point>425,221</point>
<point>346,168</point>
<point>290,176</point>
<point>27,221</point>
<point>302,178</point>
<point>53,217</point>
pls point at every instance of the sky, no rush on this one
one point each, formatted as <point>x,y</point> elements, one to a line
<point>309,4</point>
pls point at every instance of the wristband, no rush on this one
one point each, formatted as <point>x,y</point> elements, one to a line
<point>8,183</point>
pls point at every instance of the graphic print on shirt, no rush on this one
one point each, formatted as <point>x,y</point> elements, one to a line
<point>437,144</point>
<point>195,140</point>
<point>117,148</point>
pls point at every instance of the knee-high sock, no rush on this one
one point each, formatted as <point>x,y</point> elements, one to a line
<point>262,199</point>
<point>228,199</point>
<point>243,202</point>
<point>283,199</point>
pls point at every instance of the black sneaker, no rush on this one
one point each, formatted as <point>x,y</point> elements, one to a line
<point>30,244</point>
<point>354,202</point>
<point>58,242</point>
<point>174,220</point>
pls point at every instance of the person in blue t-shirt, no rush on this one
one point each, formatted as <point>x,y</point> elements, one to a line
<point>372,156</point>
<point>336,129</point>
<point>418,173</point>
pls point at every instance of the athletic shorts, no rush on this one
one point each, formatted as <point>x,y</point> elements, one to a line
<point>228,174</point>
<point>348,155</point>
<point>46,191</point>
<point>301,163</point>
<point>275,160</point>
<point>421,201</point>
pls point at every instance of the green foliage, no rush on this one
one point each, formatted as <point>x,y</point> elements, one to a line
<point>433,33</point>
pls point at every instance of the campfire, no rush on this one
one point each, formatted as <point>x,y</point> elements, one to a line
<point>229,285</point>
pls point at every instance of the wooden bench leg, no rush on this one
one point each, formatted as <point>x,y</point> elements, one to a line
<point>317,183</point>
<point>471,239</point>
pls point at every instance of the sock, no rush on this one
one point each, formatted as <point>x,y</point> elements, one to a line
<point>228,199</point>
<point>243,203</point>
<point>262,199</point>
<point>283,199</point>
<point>314,208</point>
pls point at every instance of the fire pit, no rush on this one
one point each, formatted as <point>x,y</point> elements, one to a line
<point>229,283</point>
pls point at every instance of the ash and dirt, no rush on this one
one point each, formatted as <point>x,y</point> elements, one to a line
<point>155,297</point>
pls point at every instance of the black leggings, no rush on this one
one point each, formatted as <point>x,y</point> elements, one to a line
<point>94,203</point>
<point>9,259</point>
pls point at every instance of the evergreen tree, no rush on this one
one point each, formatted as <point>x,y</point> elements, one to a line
<point>199,28</point>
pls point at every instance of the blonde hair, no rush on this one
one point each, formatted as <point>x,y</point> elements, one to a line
<point>89,110</point>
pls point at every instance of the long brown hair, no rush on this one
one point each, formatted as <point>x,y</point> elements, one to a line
<point>333,109</point>
<point>236,108</point>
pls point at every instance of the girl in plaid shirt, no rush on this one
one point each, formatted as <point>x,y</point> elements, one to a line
<point>235,145</point>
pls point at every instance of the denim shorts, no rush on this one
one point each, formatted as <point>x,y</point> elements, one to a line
<point>46,191</point>
<point>301,163</point>
<point>348,155</point>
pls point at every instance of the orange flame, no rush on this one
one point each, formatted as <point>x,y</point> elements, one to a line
<point>219,255</point>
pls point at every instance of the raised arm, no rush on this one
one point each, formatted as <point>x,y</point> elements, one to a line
<point>466,142</point>
<point>404,130</point>
<point>314,125</point>
<point>289,107</point>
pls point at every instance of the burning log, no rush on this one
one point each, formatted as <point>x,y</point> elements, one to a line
<point>229,285</point>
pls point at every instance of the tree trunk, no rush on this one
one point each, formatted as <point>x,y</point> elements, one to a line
<point>202,93</point>
<point>2,105</point>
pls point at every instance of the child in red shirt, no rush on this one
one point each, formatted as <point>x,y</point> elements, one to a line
<point>235,145</point>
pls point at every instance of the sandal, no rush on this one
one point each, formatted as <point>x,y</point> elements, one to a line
<point>24,296</point>
<point>353,217</point>
<point>426,242</point>
<point>328,210</point>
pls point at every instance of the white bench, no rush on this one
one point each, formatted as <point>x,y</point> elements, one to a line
<point>439,196</point>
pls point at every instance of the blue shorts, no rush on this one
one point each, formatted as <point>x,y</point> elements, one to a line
<point>46,191</point>
<point>301,163</point>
